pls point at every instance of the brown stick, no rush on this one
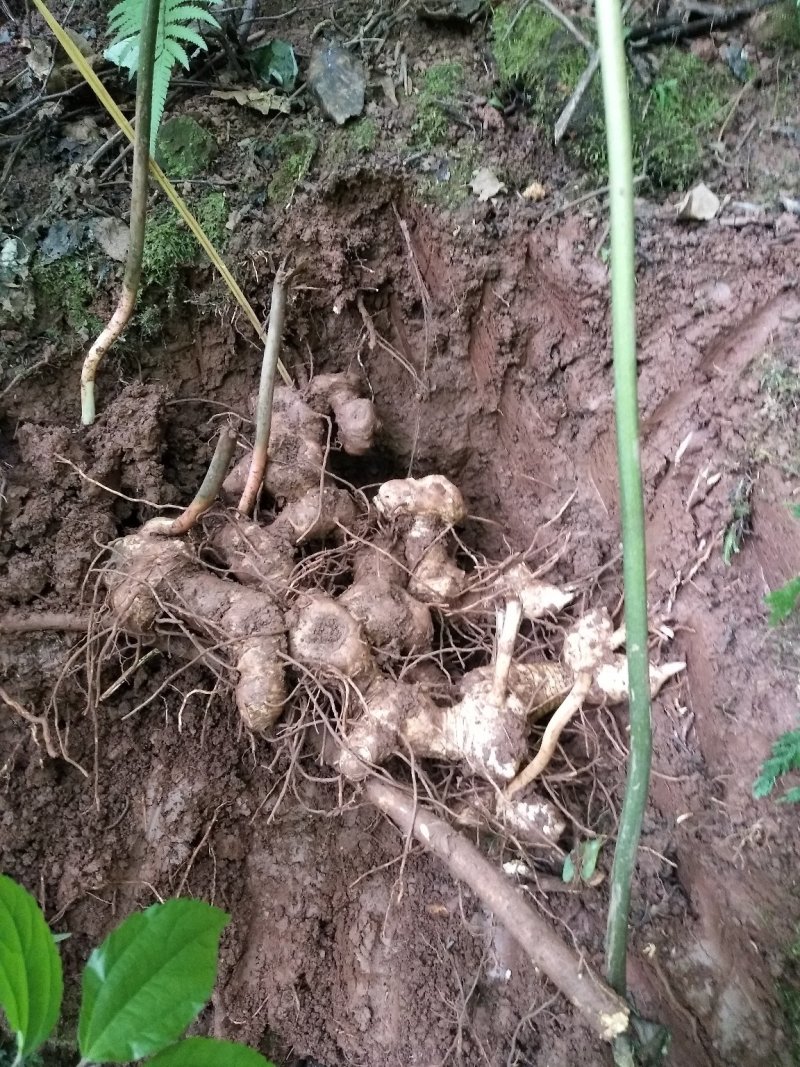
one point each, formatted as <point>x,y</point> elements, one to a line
<point>603,1009</point>
<point>206,494</point>
<point>266,388</point>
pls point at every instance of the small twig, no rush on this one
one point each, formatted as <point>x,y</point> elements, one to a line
<point>114,492</point>
<point>568,23</point>
<point>603,1009</point>
<point>206,494</point>
<point>266,388</point>
<point>569,707</point>
<point>584,82</point>
<point>602,190</point>
<point>681,25</point>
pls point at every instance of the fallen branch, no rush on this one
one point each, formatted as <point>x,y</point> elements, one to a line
<point>605,1011</point>
<point>682,25</point>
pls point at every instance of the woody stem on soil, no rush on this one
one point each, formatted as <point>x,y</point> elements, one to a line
<point>623,313</point>
<point>266,389</point>
<point>605,1011</point>
<point>133,263</point>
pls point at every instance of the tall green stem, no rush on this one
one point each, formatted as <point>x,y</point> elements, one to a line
<point>133,263</point>
<point>623,310</point>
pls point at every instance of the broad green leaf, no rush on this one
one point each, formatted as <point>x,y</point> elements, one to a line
<point>31,983</point>
<point>208,1052</point>
<point>275,63</point>
<point>782,602</point>
<point>148,980</point>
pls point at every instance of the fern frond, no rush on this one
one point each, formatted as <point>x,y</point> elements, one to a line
<point>785,758</point>
<point>174,17</point>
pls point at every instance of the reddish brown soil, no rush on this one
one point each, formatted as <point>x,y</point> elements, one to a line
<point>337,953</point>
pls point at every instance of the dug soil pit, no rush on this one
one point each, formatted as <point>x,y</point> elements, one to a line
<point>486,354</point>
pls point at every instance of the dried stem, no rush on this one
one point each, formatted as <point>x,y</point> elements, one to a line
<point>266,388</point>
<point>133,264</point>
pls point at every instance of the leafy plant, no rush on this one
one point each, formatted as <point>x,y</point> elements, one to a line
<point>174,31</point>
<point>739,525</point>
<point>141,987</point>
<point>785,758</point>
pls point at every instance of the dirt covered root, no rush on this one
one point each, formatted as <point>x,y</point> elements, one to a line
<point>148,573</point>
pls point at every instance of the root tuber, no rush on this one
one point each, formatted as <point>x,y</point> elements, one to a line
<point>151,572</point>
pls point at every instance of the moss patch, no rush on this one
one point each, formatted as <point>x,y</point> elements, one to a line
<point>670,119</point>
<point>169,246</point>
<point>439,86</point>
<point>362,136</point>
<point>184,148</point>
<point>290,156</point>
<point>64,292</point>
<point>782,26</point>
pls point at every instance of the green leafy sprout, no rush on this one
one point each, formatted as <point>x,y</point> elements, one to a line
<point>174,33</point>
<point>166,956</point>
<point>785,758</point>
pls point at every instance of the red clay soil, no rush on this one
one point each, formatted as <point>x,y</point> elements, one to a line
<point>339,953</point>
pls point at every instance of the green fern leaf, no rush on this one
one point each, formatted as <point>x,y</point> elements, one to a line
<point>177,52</point>
<point>185,33</point>
<point>784,759</point>
<point>125,24</point>
<point>188,13</point>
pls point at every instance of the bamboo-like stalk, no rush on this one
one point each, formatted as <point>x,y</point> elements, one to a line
<point>623,309</point>
<point>133,263</point>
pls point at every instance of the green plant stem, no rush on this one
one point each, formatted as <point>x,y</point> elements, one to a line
<point>206,494</point>
<point>133,263</point>
<point>623,309</point>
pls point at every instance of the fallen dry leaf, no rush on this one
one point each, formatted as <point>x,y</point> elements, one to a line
<point>535,192</point>
<point>262,100</point>
<point>699,204</point>
<point>485,184</point>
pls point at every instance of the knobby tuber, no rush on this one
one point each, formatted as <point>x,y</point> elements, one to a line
<point>148,572</point>
<point>353,639</point>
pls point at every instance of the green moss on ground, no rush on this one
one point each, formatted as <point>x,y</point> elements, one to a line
<point>440,85</point>
<point>362,136</point>
<point>184,148</point>
<point>169,246</point>
<point>290,155</point>
<point>671,119</point>
<point>64,291</point>
<point>782,26</point>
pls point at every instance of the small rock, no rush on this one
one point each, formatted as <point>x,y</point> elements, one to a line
<point>699,204</point>
<point>337,79</point>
